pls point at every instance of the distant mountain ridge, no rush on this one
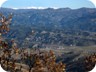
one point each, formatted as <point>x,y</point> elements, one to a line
<point>79,24</point>
<point>63,17</point>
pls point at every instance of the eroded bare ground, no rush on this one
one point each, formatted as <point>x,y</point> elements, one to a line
<point>74,57</point>
<point>73,50</point>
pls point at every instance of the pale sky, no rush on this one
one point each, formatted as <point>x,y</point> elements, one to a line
<point>1,2</point>
<point>48,3</point>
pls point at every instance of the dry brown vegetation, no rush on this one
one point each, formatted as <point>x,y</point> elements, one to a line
<point>18,60</point>
<point>90,62</point>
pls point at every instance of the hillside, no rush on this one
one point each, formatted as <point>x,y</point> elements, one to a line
<point>42,27</point>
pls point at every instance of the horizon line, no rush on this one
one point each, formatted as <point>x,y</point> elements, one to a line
<point>46,8</point>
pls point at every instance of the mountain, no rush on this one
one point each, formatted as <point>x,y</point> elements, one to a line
<point>63,26</point>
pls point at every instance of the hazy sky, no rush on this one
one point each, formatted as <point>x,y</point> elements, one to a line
<point>48,3</point>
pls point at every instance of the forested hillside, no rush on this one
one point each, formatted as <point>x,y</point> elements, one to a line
<point>64,26</point>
